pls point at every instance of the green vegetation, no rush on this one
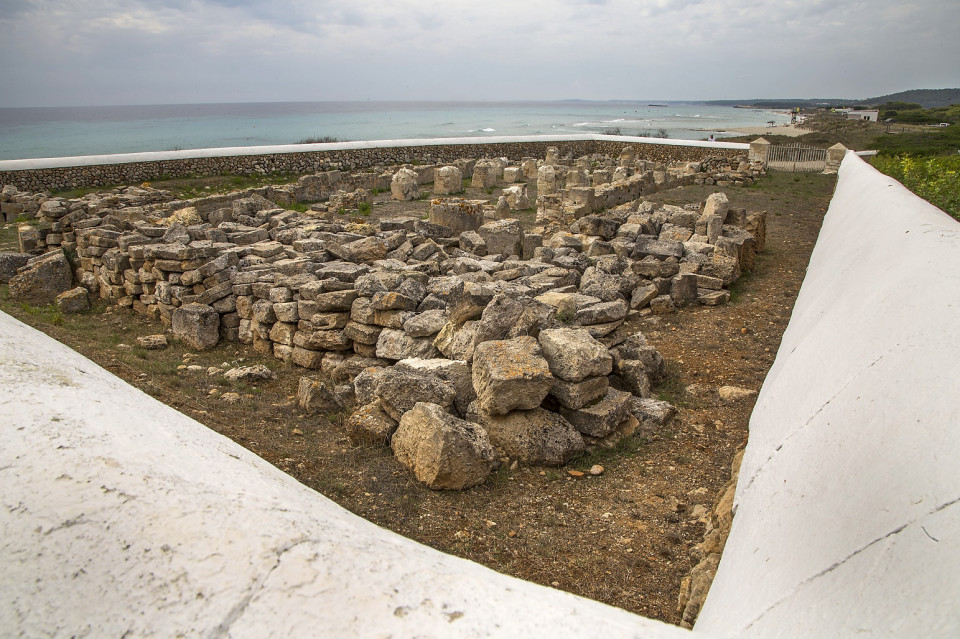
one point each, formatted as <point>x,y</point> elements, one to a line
<point>364,208</point>
<point>191,186</point>
<point>300,207</point>
<point>935,179</point>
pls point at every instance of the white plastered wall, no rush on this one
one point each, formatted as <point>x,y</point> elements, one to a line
<point>848,503</point>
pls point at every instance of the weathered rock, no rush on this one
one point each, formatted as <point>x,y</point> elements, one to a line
<point>510,375</point>
<point>370,425</point>
<point>73,301</point>
<point>399,389</point>
<point>152,342</point>
<point>42,279</point>
<point>315,396</point>
<point>503,237</point>
<point>442,451</point>
<point>197,325</point>
<point>10,263</point>
<point>425,324</point>
<point>456,372</point>
<point>573,355</point>
<point>601,418</point>
<point>250,374</point>
<point>396,344</point>
<point>575,395</point>
<point>536,437</point>
<point>456,213</point>
<point>733,394</point>
<point>405,185</point>
<point>653,414</point>
<point>447,180</point>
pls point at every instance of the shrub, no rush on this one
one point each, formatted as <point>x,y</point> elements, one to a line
<point>935,179</point>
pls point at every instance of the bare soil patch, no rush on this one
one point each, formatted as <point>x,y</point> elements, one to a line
<point>623,537</point>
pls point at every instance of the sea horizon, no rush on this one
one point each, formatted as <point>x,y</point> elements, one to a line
<point>64,131</point>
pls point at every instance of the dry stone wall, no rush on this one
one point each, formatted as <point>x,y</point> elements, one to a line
<point>350,159</point>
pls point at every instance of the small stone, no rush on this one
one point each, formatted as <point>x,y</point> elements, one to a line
<point>230,398</point>
<point>152,342</point>
<point>297,431</point>
<point>596,470</point>
<point>575,473</point>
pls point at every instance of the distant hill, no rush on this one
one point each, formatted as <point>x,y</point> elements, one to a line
<point>927,98</point>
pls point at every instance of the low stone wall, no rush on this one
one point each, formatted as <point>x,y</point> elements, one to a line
<point>134,168</point>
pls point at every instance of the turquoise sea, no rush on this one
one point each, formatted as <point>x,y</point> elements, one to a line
<point>67,131</point>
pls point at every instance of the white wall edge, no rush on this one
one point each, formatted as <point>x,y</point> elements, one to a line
<point>156,156</point>
<point>848,503</point>
<point>123,517</point>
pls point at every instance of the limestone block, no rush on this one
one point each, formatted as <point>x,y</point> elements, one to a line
<point>456,372</point>
<point>456,213</point>
<point>9,264</point>
<point>447,180</point>
<point>510,375</point>
<point>513,174</point>
<point>42,279</point>
<point>529,167</point>
<point>425,324</point>
<point>315,396</point>
<point>503,237</point>
<point>683,289</point>
<point>485,174</point>
<point>396,344</point>
<point>399,389</point>
<point>73,301</point>
<point>371,425</point>
<point>548,183</point>
<point>573,355</point>
<point>443,451</point>
<point>197,325</point>
<point>536,437</point>
<point>517,197</point>
<point>600,419</point>
<point>602,313</point>
<point>404,185</point>
<point>576,395</point>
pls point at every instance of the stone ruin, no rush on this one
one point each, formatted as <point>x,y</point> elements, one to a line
<point>458,340</point>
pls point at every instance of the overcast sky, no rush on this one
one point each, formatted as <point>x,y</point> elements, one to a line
<point>91,52</point>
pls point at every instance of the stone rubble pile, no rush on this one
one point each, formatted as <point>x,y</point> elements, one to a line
<point>460,339</point>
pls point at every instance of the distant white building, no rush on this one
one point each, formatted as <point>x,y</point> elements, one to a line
<point>853,114</point>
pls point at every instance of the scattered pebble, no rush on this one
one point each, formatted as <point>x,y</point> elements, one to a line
<point>230,398</point>
<point>596,469</point>
<point>575,473</point>
<point>297,431</point>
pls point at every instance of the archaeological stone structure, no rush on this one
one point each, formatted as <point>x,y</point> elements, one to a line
<point>844,516</point>
<point>519,335</point>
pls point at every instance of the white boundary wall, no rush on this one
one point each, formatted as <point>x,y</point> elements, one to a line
<point>848,503</point>
<point>153,156</point>
<point>118,514</point>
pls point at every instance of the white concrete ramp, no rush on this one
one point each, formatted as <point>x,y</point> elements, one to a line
<point>848,503</point>
<point>122,517</point>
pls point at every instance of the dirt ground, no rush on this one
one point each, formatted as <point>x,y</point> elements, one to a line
<point>624,537</point>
